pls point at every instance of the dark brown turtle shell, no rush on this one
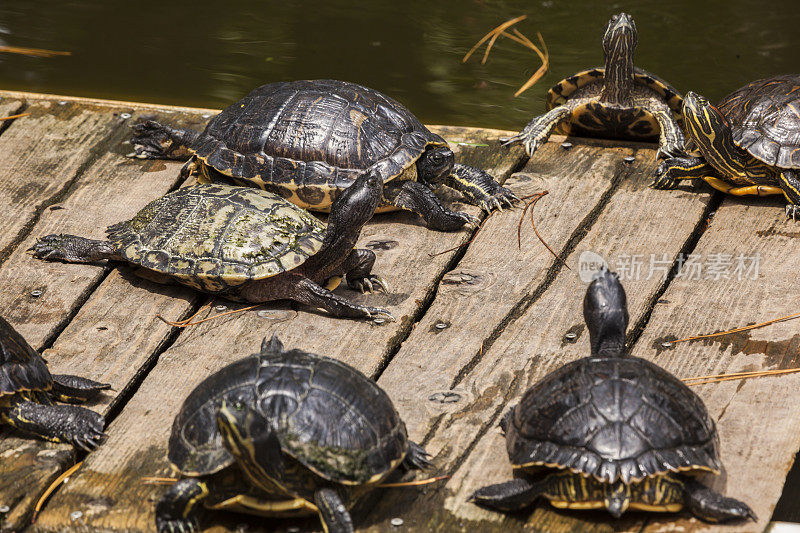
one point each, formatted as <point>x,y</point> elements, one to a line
<point>21,367</point>
<point>612,418</point>
<point>313,136</point>
<point>765,119</point>
<point>330,417</point>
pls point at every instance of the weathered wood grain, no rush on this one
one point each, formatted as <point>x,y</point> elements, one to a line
<point>137,438</point>
<point>758,419</point>
<point>41,155</point>
<point>114,335</point>
<point>462,435</point>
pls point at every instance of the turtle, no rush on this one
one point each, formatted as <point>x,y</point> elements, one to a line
<point>611,431</point>
<point>629,103</point>
<point>283,432</point>
<point>308,140</point>
<point>243,244</point>
<point>28,392</point>
<point>749,144</point>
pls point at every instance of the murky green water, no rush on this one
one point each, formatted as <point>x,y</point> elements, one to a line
<point>172,52</point>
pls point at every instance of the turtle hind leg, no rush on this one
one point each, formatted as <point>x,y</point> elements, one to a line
<point>709,505</point>
<point>75,389</point>
<point>305,291</point>
<point>57,423</point>
<point>539,129</point>
<point>479,188</point>
<point>72,249</point>
<point>153,140</point>
<point>509,496</point>
<point>332,512</point>
<point>416,197</point>
<point>416,458</point>
<point>177,510</point>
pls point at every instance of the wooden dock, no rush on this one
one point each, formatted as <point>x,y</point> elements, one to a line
<point>478,322</point>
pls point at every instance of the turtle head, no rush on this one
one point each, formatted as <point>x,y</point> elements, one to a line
<point>435,165</point>
<point>249,437</point>
<point>707,127</point>
<point>356,204</point>
<point>620,37</point>
<point>605,310</point>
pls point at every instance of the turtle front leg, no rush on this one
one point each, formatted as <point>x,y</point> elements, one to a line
<point>671,171</point>
<point>416,197</point>
<point>358,268</point>
<point>480,188</point>
<point>791,189</point>
<point>416,458</point>
<point>153,140</point>
<point>333,512</point>
<point>539,129</point>
<point>178,509</point>
<point>671,140</point>
<point>707,504</point>
<point>57,423</point>
<point>509,496</point>
<point>75,389</point>
<point>72,249</point>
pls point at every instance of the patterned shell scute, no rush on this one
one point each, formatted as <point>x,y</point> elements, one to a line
<point>332,418</point>
<point>21,367</point>
<point>215,236</point>
<point>612,418</point>
<point>561,91</point>
<point>765,119</point>
<point>311,132</point>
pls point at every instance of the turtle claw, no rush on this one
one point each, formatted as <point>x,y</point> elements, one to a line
<point>663,179</point>
<point>792,211</point>
<point>369,284</point>
<point>48,247</point>
<point>85,430</point>
<point>416,458</point>
<point>188,525</point>
<point>379,312</point>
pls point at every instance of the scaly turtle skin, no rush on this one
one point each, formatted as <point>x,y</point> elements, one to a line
<point>617,101</point>
<point>28,390</point>
<point>309,433</point>
<point>749,144</point>
<point>611,431</point>
<point>308,140</point>
<point>243,244</point>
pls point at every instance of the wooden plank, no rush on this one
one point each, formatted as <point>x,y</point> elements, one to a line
<point>41,155</point>
<point>758,419</point>
<point>488,369</point>
<point>137,438</point>
<point>107,340</point>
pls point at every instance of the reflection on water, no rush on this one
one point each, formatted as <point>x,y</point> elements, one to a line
<point>203,54</point>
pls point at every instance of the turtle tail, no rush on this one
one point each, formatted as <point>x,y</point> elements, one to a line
<point>153,140</point>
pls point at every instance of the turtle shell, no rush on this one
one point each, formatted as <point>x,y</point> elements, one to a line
<point>212,237</point>
<point>21,367</point>
<point>311,136</point>
<point>328,416</point>
<point>765,119</point>
<point>561,91</point>
<point>612,418</point>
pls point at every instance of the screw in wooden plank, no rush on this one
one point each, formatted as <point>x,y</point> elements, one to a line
<point>666,345</point>
<point>4,509</point>
<point>75,515</point>
<point>125,116</point>
<point>630,159</point>
<point>440,325</point>
<point>379,321</point>
<point>396,522</point>
<point>36,293</point>
<point>220,308</point>
<point>570,336</point>
<point>566,145</point>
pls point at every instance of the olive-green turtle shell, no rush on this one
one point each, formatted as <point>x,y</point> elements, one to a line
<point>312,138</point>
<point>644,127</point>
<point>765,119</point>
<point>213,237</point>
<point>328,416</point>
